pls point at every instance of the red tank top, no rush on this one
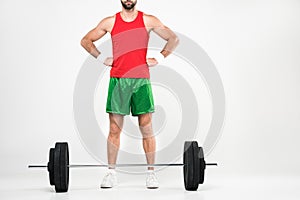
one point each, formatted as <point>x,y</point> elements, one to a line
<point>129,42</point>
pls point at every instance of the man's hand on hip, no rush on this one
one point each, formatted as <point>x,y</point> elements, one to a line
<point>151,62</point>
<point>158,59</point>
<point>106,61</point>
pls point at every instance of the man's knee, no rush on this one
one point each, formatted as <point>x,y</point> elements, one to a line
<point>145,119</point>
<point>115,127</point>
<point>146,131</point>
<point>145,124</point>
<point>114,130</point>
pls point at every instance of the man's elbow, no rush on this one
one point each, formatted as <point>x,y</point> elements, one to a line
<point>83,42</point>
<point>176,40</point>
<point>86,42</point>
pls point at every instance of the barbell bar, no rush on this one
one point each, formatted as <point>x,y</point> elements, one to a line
<point>58,166</point>
<point>121,165</point>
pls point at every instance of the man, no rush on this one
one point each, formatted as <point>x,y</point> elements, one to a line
<point>129,86</point>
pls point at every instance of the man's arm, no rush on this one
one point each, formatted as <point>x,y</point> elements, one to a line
<point>155,25</point>
<point>87,42</point>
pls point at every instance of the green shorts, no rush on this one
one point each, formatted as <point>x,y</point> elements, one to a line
<point>125,94</point>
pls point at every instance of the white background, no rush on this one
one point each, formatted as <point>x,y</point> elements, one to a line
<point>254,44</point>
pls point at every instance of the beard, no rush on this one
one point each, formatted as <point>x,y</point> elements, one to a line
<point>128,7</point>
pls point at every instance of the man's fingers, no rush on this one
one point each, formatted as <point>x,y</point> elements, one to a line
<point>108,61</point>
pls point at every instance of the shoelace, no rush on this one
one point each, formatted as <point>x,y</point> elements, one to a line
<point>151,178</point>
<point>107,176</point>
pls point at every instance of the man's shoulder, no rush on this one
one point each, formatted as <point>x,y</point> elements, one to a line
<point>109,18</point>
<point>108,21</point>
<point>150,20</point>
<point>148,16</point>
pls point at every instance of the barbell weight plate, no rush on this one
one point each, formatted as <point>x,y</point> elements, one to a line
<point>197,170</point>
<point>50,166</point>
<point>61,169</point>
<point>202,165</point>
<point>190,180</point>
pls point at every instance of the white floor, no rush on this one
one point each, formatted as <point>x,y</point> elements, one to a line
<point>84,184</point>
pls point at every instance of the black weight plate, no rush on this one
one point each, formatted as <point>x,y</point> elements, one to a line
<point>51,166</point>
<point>196,161</point>
<point>61,169</point>
<point>202,166</point>
<point>190,180</point>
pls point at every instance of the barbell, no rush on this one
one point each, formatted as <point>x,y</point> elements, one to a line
<point>58,166</point>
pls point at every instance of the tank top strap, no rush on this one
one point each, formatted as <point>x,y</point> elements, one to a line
<point>118,15</point>
<point>140,17</point>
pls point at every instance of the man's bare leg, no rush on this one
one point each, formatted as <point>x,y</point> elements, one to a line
<point>149,143</point>
<point>113,144</point>
<point>113,140</point>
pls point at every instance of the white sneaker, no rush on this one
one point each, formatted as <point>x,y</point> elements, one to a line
<point>110,179</point>
<point>151,180</point>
